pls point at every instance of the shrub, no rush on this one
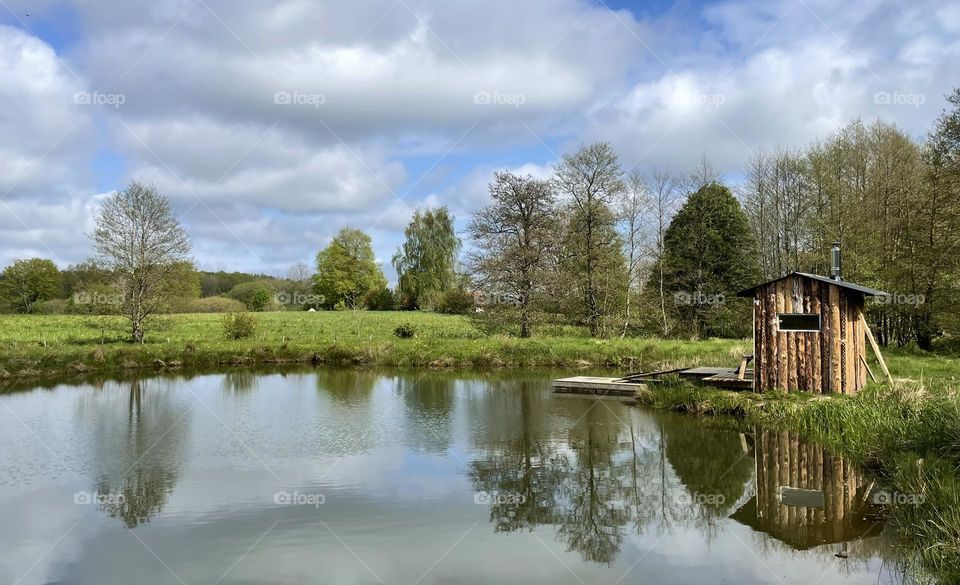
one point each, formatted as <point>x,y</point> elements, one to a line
<point>211,305</point>
<point>260,300</point>
<point>382,299</point>
<point>456,301</point>
<point>238,325</point>
<point>250,294</point>
<point>405,331</point>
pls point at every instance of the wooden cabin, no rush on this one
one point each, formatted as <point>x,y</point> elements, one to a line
<point>809,333</point>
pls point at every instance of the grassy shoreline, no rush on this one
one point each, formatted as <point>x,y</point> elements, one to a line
<point>38,346</point>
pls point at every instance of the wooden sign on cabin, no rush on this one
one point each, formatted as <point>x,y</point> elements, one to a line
<point>809,333</point>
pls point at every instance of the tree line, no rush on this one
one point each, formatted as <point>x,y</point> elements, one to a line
<point>616,251</point>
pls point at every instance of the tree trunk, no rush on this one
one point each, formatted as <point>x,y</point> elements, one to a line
<point>137,331</point>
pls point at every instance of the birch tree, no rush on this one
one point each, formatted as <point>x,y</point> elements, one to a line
<point>140,240</point>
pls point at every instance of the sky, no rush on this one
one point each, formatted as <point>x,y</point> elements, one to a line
<point>271,125</point>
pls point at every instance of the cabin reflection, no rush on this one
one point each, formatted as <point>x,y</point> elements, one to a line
<point>807,497</point>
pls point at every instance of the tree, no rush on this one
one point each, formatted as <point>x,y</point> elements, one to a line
<point>664,188</point>
<point>591,179</point>
<point>937,216</point>
<point>27,283</point>
<point>709,254</point>
<point>300,286</point>
<point>141,241</point>
<point>347,270</point>
<point>426,263</point>
<point>631,211</point>
<point>512,237</point>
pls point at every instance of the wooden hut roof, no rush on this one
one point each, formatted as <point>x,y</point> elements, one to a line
<point>870,292</point>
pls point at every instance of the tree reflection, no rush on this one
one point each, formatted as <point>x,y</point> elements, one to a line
<point>429,404</point>
<point>614,467</point>
<point>139,451</point>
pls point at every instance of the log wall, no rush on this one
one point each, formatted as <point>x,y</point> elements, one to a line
<point>822,362</point>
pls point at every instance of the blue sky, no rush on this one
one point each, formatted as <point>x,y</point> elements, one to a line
<point>270,125</point>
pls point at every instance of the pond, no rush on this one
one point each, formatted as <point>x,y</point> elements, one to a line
<point>350,477</point>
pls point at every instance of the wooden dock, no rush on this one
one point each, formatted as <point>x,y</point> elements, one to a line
<point>597,386</point>
<point>627,386</point>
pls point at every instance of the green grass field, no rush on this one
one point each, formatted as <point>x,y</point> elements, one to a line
<point>41,345</point>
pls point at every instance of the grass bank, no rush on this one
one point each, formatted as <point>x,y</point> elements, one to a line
<point>33,346</point>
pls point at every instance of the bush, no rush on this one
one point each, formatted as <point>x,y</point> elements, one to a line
<point>238,325</point>
<point>257,295</point>
<point>210,305</point>
<point>405,331</point>
<point>382,300</point>
<point>456,301</point>
<point>260,300</point>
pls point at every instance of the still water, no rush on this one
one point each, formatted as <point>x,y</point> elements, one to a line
<point>347,477</point>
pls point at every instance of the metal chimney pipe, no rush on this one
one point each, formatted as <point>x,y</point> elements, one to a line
<point>835,261</point>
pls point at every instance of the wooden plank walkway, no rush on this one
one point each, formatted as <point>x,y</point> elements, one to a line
<point>597,386</point>
<point>629,385</point>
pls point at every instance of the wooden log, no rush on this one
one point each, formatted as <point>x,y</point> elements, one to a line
<point>759,342</point>
<point>836,338</point>
<point>825,376</point>
<point>782,349</point>
<point>815,366</point>
<point>773,358</point>
<point>791,338</point>
<point>850,379</point>
<point>876,349</point>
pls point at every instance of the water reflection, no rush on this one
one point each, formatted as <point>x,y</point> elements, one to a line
<point>806,497</point>
<point>407,463</point>
<point>138,448</point>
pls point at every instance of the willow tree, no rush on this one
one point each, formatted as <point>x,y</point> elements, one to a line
<point>426,262</point>
<point>143,245</point>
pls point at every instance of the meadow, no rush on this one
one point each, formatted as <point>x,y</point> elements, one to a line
<point>53,345</point>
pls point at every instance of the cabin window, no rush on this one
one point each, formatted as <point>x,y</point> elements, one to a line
<point>798,322</point>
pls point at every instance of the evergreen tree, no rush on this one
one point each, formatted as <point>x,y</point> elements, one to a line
<point>709,254</point>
